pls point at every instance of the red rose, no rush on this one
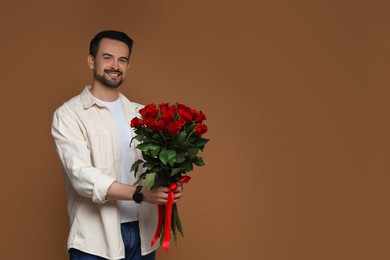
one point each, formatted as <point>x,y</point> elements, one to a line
<point>193,113</point>
<point>168,114</point>
<point>182,107</point>
<point>150,123</point>
<point>200,129</point>
<point>160,125</point>
<point>136,122</point>
<point>164,107</point>
<point>174,127</point>
<point>149,111</point>
<point>200,117</point>
<point>155,126</point>
<point>185,116</point>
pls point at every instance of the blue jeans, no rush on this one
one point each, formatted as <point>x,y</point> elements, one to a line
<point>131,239</point>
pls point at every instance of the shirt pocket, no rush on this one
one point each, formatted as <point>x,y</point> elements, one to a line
<point>102,148</point>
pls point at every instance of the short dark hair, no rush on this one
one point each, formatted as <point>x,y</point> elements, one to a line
<point>110,34</point>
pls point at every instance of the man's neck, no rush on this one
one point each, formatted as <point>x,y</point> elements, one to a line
<point>104,93</point>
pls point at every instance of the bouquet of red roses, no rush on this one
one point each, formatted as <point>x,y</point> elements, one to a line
<point>170,137</point>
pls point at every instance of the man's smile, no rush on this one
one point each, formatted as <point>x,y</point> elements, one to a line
<point>113,73</point>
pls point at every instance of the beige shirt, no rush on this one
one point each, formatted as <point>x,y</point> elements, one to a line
<point>88,145</point>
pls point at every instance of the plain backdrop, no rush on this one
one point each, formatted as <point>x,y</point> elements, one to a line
<point>296,94</point>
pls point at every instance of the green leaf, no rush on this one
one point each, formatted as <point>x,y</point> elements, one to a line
<point>143,147</point>
<point>149,180</point>
<point>201,142</point>
<point>175,171</point>
<point>141,131</point>
<point>154,149</point>
<point>140,178</point>
<point>149,165</point>
<point>180,157</point>
<point>149,158</point>
<point>158,182</point>
<point>167,156</point>
<point>181,137</point>
<point>135,165</point>
<point>192,152</point>
<point>138,137</point>
<point>137,182</point>
<point>186,166</point>
<point>198,161</point>
<point>185,144</point>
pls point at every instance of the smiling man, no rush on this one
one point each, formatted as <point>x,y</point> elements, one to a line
<point>109,70</point>
<point>109,217</point>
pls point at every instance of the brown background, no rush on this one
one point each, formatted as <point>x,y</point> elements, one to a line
<point>296,94</point>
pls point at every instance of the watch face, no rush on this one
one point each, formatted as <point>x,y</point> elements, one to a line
<point>138,197</point>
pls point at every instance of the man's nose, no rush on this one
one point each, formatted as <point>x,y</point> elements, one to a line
<point>114,64</point>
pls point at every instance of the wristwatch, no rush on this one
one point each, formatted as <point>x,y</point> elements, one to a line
<point>138,197</point>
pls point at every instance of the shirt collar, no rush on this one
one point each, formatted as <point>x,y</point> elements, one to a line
<point>87,98</point>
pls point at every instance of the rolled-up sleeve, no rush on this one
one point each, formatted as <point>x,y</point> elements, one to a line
<point>75,155</point>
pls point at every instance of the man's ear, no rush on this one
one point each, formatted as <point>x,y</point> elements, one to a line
<point>91,62</point>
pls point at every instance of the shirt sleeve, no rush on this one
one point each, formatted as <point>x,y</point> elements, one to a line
<point>72,148</point>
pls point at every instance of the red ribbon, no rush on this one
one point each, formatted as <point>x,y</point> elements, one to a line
<point>168,214</point>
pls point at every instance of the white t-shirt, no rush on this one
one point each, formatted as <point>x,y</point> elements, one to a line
<point>128,208</point>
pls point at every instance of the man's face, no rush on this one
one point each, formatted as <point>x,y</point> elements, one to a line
<point>111,63</point>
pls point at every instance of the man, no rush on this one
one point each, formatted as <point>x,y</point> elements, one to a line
<point>109,217</point>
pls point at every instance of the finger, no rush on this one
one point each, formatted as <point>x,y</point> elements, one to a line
<point>178,195</point>
<point>163,189</point>
<point>179,189</point>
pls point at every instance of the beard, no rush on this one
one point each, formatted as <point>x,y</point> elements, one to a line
<point>110,83</point>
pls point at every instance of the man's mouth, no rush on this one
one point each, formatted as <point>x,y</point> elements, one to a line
<point>113,73</point>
